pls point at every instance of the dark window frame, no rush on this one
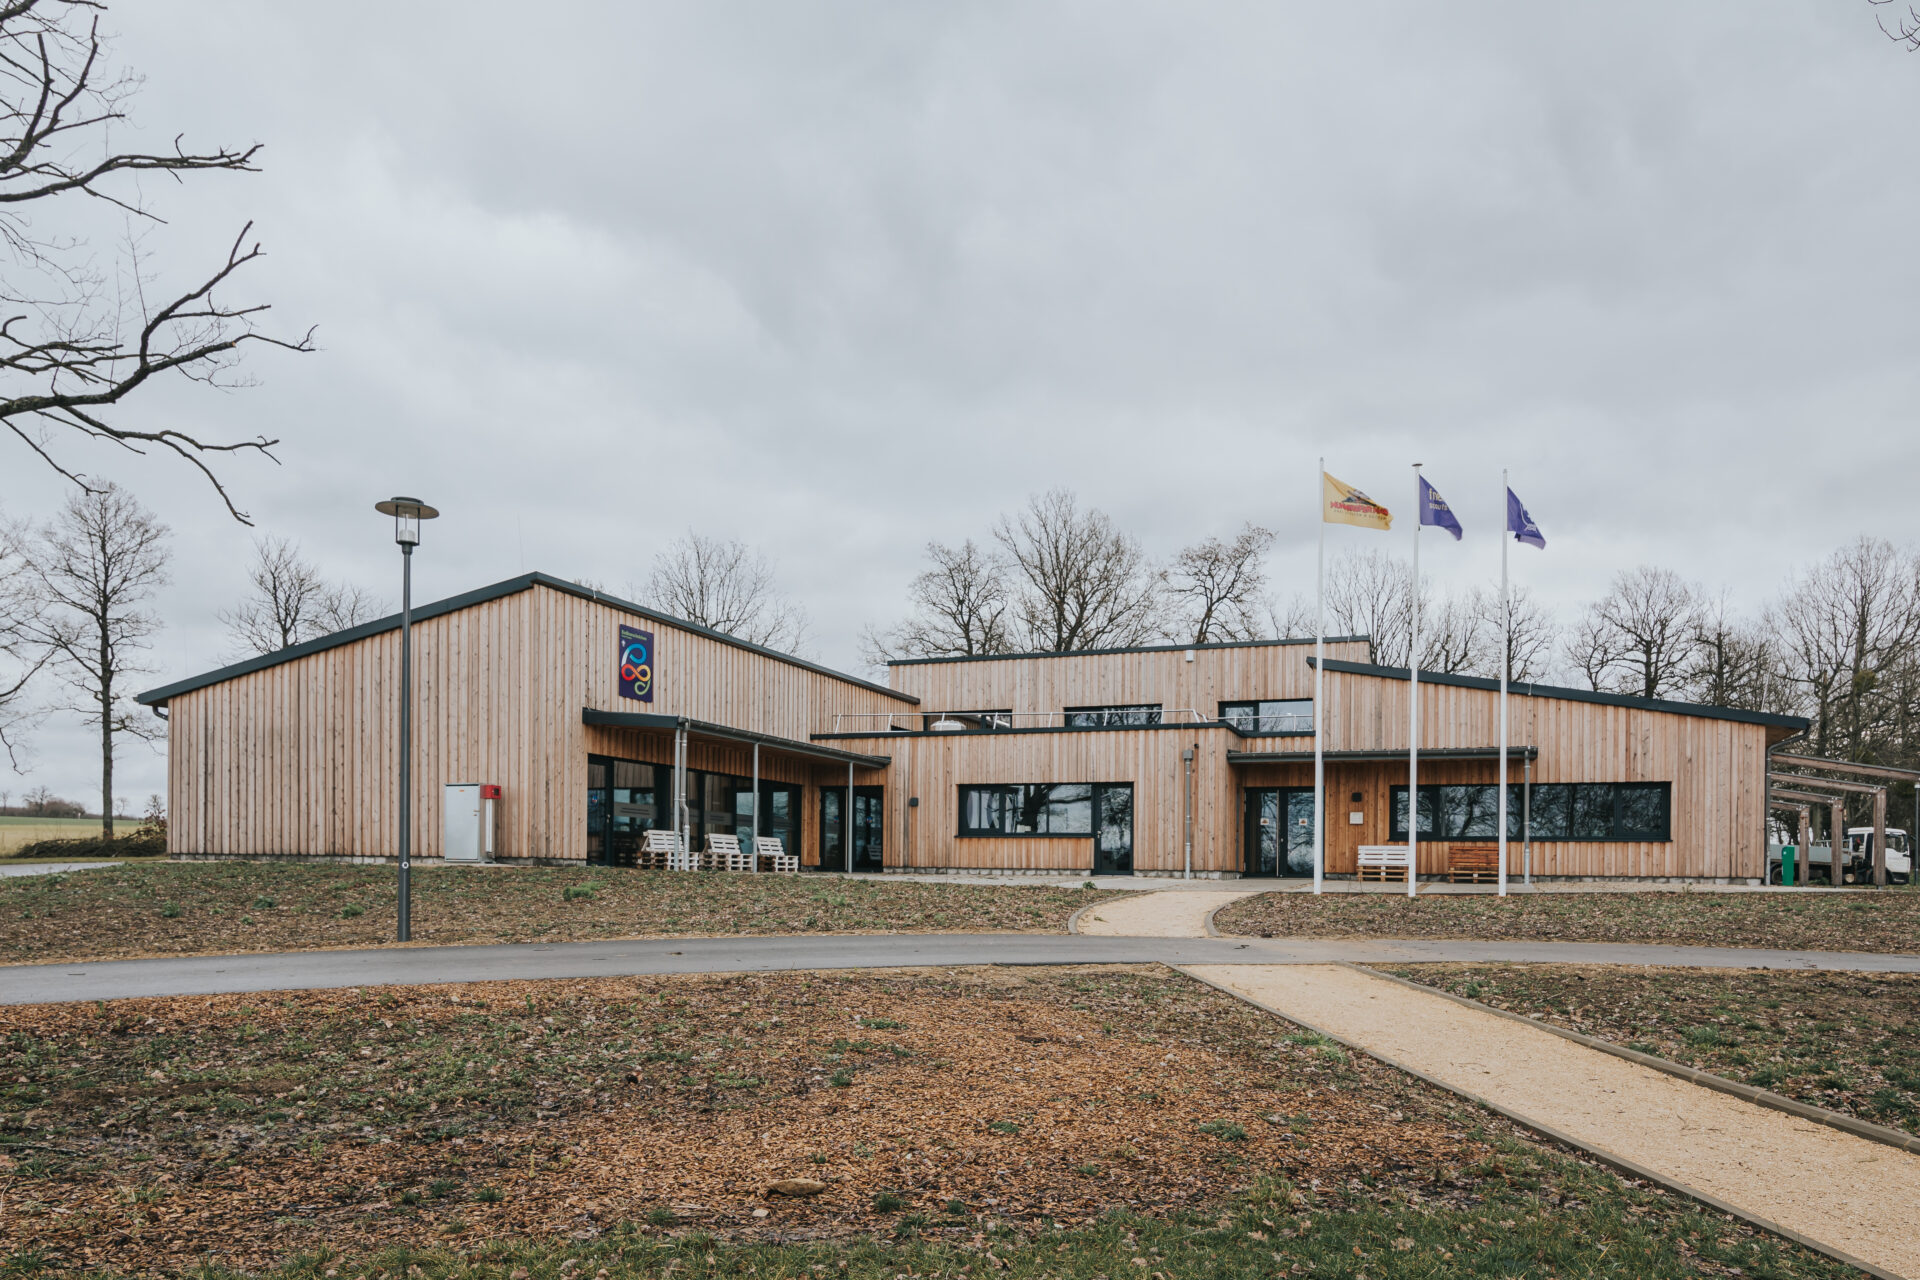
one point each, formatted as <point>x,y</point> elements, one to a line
<point>1012,799</point>
<point>1253,722</point>
<point>1123,715</point>
<point>1551,811</point>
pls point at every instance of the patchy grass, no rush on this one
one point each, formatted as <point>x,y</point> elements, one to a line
<point>1885,920</point>
<point>1070,1123</point>
<point>1849,1042</point>
<point>187,908</point>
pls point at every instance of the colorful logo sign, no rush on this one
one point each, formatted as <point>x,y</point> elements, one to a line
<point>636,664</point>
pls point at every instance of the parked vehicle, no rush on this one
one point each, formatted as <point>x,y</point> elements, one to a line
<point>1856,859</point>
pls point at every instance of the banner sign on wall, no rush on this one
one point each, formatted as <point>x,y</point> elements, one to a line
<point>636,664</point>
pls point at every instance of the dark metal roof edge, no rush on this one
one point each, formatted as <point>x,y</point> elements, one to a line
<point>1426,753</point>
<point>481,595</point>
<point>1573,695</point>
<point>1041,728</point>
<point>654,720</point>
<point>1145,648</point>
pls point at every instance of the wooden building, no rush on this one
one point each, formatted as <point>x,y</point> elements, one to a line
<point>1164,760</point>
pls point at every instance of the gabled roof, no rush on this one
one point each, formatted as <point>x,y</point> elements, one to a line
<point>466,600</point>
<point>1143,648</point>
<point>1797,723</point>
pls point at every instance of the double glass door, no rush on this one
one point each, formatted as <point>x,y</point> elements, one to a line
<point>1279,838</point>
<point>869,823</point>
<point>626,799</point>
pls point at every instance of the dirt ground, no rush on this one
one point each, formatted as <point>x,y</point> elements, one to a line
<point>240,1128</point>
<point>1884,920</point>
<point>233,907</point>
<point>1848,1042</point>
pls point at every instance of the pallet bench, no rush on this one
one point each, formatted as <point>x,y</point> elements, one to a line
<point>663,850</point>
<point>1473,863</point>
<point>723,853</point>
<point>1385,862</point>
<point>771,855</point>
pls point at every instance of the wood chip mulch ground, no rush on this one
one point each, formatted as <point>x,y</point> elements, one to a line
<point>1849,1042</point>
<point>1882,920</point>
<point>242,1128</point>
<point>221,908</point>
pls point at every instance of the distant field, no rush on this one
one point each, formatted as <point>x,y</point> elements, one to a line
<point>15,832</point>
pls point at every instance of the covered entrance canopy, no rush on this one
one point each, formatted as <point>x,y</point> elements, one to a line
<point>686,729</point>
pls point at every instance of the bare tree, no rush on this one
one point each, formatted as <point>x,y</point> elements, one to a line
<point>1215,588</point>
<point>95,565</point>
<point>960,608</point>
<point>1370,593</point>
<point>22,653</point>
<point>1642,637</point>
<point>1291,619</point>
<point>1080,582</point>
<point>289,602</point>
<point>78,337</point>
<point>728,587</point>
<point>1737,663</point>
<point>1848,628</point>
<point>1531,641</point>
<point>1906,26</point>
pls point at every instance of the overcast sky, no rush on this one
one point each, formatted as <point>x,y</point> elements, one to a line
<point>841,278</point>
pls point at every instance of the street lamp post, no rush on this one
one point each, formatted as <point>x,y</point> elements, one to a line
<point>407,514</point>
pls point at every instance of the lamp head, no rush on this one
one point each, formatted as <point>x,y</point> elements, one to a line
<point>407,514</point>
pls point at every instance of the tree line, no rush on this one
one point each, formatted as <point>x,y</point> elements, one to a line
<point>1837,644</point>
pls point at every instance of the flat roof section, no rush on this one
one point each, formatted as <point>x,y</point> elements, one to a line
<point>480,595</point>
<point>706,729</point>
<point>1797,723</point>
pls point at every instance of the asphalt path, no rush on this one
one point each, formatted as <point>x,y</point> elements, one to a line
<point>386,966</point>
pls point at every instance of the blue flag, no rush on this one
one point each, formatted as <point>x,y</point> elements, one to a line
<point>1520,524</point>
<point>1435,511</point>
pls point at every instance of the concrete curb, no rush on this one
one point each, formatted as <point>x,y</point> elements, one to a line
<point>1207,924</point>
<point>1073,921</point>
<point>1692,1075</point>
<point>1604,1156</point>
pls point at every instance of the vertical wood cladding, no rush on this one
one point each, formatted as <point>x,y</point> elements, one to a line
<point>301,758</point>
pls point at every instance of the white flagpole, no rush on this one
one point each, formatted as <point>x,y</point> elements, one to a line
<point>1506,659</point>
<point>1413,703</point>
<point>1319,687</point>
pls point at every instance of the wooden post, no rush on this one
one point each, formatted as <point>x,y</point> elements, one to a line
<point>1880,838</point>
<point>1836,838</point>
<point>1806,843</point>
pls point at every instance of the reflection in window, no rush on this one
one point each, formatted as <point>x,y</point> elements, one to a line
<point>1120,717</point>
<point>1269,717</point>
<point>1027,809</point>
<point>1560,811</point>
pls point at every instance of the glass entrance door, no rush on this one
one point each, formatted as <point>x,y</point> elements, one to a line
<point>1279,837</point>
<point>868,825</point>
<point>1113,829</point>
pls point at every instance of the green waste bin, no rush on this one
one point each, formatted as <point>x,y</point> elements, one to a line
<point>1786,864</point>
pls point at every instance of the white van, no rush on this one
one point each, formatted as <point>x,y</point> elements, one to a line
<point>1856,859</point>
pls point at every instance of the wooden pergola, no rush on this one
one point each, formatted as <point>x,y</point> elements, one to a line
<point>1821,790</point>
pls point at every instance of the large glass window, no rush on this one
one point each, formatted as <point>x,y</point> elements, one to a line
<point>969,720</point>
<point>1027,809</point>
<point>1560,811</point>
<point>1267,717</point>
<point>1126,716</point>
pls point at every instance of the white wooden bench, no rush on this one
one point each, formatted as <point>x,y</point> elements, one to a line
<point>662,850</point>
<point>723,853</point>
<point>774,856</point>
<point>1385,861</point>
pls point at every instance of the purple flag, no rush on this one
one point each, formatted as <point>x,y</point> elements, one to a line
<point>1520,524</point>
<point>1435,511</point>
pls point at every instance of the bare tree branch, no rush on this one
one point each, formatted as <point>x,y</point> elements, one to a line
<point>1215,587</point>
<point>726,586</point>
<point>1081,582</point>
<point>961,607</point>
<point>74,347</point>
<point>290,602</point>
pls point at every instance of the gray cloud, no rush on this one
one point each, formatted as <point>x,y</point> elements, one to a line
<point>840,278</point>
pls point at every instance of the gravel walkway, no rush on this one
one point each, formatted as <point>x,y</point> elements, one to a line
<point>1845,1192</point>
<point>1169,913</point>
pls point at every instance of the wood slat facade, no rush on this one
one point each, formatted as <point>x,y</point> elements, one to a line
<point>295,754</point>
<point>298,758</point>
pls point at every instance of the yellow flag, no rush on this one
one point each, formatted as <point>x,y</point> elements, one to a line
<point>1341,503</point>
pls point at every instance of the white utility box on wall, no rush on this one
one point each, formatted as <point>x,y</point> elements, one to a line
<point>471,821</point>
